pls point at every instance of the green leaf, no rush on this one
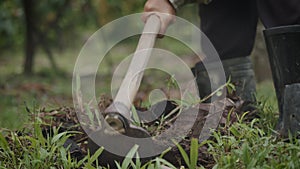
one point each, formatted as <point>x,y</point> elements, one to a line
<point>219,93</point>
<point>3,142</point>
<point>63,154</point>
<point>194,153</point>
<point>234,131</point>
<point>135,116</point>
<point>243,116</point>
<point>165,162</point>
<point>44,153</point>
<point>57,137</point>
<point>245,153</point>
<point>129,156</point>
<point>157,163</point>
<point>229,116</point>
<point>118,165</point>
<point>138,162</point>
<point>95,156</point>
<point>183,154</point>
<point>150,166</point>
<point>165,152</point>
<point>80,163</point>
<point>38,134</point>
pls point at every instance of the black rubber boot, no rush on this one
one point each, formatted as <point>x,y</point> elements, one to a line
<point>284,54</point>
<point>238,69</point>
<point>291,109</point>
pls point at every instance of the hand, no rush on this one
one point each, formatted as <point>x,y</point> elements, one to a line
<point>163,9</point>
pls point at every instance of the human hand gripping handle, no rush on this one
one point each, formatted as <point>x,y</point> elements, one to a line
<point>163,9</point>
<point>166,10</point>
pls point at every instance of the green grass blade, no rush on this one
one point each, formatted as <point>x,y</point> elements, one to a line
<point>165,163</point>
<point>165,152</point>
<point>57,137</point>
<point>138,162</point>
<point>183,154</point>
<point>135,116</point>
<point>118,165</point>
<point>95,156</point>
<point>3,142</point>
<point>194,153</point>
<point>129,156</point>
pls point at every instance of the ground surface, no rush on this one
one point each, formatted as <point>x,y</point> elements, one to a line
<point>65,119</point>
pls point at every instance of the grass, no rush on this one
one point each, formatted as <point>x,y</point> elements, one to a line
<point>248,146</point>
<point>241,145</point>
<point>191,159</point>
<point>32,149</point>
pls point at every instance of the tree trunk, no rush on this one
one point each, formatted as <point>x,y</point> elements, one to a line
<point>29,42</point>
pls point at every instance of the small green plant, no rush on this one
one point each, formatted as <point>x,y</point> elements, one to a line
<point>32,149</point>
<point>88,161</point>
<point>246,145</point>
<point>156,163</point>
<point>128,159</point>
<point>135,116</point>
<point>191,159</point>
<point>219,91</point>
<point>230,86</point>
<point>171,83</point>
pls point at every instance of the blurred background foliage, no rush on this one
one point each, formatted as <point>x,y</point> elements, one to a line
<point>60,20</point>
<point>51,16</point>
<point>55,24</point>
<point>58,25</point>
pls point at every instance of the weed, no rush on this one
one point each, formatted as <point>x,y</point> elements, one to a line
<point>32,149</point>
<point>245,145</point>
<point>156,163</point>
<point>191,159</point>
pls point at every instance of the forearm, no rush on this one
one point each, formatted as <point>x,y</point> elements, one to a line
<point>179,3</point>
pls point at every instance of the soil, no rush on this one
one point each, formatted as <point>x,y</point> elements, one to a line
<point>66,118</point>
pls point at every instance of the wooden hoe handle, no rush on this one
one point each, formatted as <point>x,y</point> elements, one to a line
<point>131,83</point>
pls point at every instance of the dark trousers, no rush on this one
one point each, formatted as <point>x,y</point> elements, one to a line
<point>230,25</point>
